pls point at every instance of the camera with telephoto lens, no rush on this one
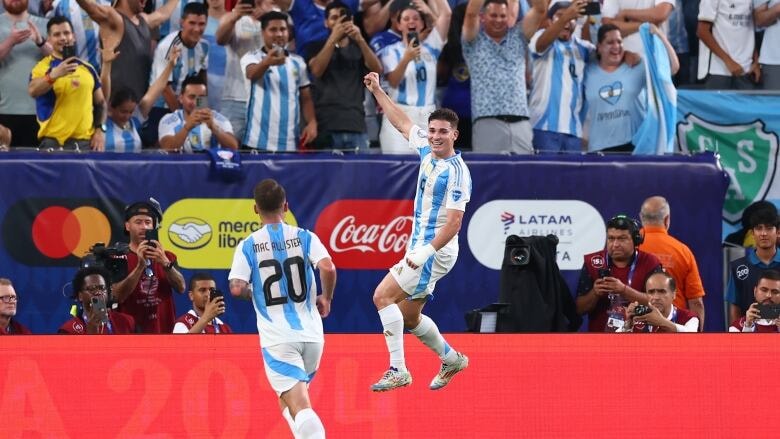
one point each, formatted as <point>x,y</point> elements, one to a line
<point>641,310</point>
<point>520,255</point>
<point>112,259</point>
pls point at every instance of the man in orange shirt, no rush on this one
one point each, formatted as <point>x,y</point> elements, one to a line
<point>675,256</point>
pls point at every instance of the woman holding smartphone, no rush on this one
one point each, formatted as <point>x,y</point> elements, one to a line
<point>411,68</point>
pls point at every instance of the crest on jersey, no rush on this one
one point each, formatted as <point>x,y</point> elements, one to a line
<point>456,194</point>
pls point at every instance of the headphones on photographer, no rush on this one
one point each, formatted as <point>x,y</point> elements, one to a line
<point>149,207</point>
<point>626,222</point>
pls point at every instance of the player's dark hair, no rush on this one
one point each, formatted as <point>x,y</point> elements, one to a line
<point>269,195</point>
<point>444,114</point>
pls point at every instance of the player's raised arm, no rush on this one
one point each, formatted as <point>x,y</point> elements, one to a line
<point>394,114</point>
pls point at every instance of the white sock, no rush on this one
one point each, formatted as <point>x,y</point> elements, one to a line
<point>393,326</point>
<point>429,335</point>
<point>308,425</point>
<point>288,417</point>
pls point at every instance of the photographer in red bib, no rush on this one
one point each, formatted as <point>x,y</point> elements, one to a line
<point>614,277</point>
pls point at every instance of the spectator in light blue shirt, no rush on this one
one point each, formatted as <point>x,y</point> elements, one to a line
<point>612,92</point>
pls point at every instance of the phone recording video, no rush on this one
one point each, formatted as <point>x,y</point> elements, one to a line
<point>769,312</point>
<point>68,52</point>
<point>152,235</point>
<point>592,8</point>
<point>604,272</point>
<point>201,102</point>
<point>214,294</point>
<point>99,308</point>
<point>414,38</point>
<point>346,17</point>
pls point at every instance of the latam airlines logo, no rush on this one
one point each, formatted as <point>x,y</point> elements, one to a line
<point>60,231</point>
<point>578,226</point>
<point>366,234</point>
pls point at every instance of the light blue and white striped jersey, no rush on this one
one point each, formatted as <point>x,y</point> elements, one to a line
<point>216,68</point>
<point>441,185</point>
<point>273,110</point>
<point>557,98</point>
<point>85,31</point>
<point>247,36</point>
<point>173,24</point>
<point>418,88</point>
<point>119,139</point>
<point>200,137</point>
<point>191,61</point>
<point>278,261</point>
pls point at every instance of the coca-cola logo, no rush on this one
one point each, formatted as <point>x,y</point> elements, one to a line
<point>366,234</point>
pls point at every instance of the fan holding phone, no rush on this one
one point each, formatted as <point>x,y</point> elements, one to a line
<point>337,65</point>
<point>764,314</point>
<point>207,304</point>
<point>76,121</point>
<point>195,127</point>
<point>559,61</point>
<point>410,69</point>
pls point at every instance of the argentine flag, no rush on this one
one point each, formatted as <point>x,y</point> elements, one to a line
<point>656,134</point>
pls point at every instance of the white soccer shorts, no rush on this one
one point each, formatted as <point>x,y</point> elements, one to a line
<point>287,364</point>
<point>421,282</point>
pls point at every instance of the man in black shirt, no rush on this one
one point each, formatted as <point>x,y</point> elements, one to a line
<point>338,65</point>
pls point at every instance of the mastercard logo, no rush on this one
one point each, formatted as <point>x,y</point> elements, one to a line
<point>60,232</point>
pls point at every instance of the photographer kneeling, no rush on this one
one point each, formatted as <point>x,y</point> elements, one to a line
<point>147,291</point>
<point>660,315</point>
<point>92,290</point>
<point>207,303</point>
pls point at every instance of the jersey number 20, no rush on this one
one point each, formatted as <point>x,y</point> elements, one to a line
<point>296,290</point>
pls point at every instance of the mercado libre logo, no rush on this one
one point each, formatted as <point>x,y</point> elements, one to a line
<point>60,231</point>
<point>747,152</point>
<point>204,232</point>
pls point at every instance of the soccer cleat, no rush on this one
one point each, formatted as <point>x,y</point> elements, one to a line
<point>448,371</point>
<point>392,379</point>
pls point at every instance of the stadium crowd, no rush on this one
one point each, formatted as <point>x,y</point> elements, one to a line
<point>284,75</point>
